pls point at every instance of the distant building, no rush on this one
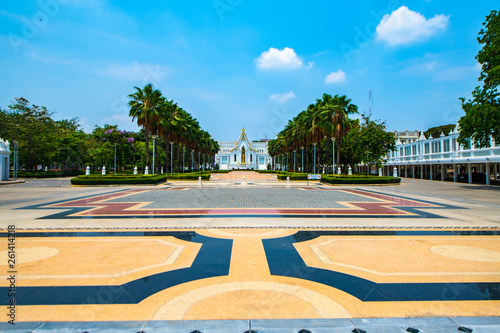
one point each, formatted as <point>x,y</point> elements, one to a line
<point>407,136</point>
<point>243,154</point>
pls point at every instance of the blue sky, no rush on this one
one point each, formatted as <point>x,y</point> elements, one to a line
<point>235,63</point>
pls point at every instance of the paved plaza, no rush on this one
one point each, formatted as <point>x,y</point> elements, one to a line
<point>251,255</point>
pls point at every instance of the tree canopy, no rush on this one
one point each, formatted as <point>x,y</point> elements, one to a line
<point>63,144</point>
<point>328,119</point>
<point>482,113</point>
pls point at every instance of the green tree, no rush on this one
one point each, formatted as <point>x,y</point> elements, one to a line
<point>144,105</point>
<point>72,144</point>
<point>482,113</point>
<point>34,129</point>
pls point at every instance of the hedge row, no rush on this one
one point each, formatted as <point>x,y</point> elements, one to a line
<point>191,176</point>
<point>270,171</point>
<point>360,180</point>
<point>292,175</point>
<point>118,179</point>
<point>48,174</point>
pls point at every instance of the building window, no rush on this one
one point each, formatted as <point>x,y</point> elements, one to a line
<point>426,148</point>
<point>446,145</point>
<point>251,158</point>
<point>235,157</point>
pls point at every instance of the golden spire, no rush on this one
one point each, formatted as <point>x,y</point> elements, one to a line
<point>243,130</point>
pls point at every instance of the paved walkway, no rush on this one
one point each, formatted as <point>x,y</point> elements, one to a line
<point>177,257</point>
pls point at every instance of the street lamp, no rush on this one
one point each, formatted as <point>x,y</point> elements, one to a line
<point>183,154</point>
<point>171,157</point>
<point>16,158</point>
<point>302,147</point>
<point>314,164</point>
<point>333,155</point>
<point>192,160</point>
<point>154,141</point>
<point>295,160</point>
<point>115,158</point>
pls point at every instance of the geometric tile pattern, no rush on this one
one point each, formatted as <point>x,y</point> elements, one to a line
<point>345,203</point>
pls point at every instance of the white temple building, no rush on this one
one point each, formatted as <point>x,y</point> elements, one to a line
<point>243,154</point>
<point>4,159</point>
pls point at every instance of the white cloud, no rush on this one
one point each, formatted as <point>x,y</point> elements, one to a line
<point>335,77</point>
<point>279,59</point>
<point>282,98</point>
<point>404,26</point>
<point>135,71</point>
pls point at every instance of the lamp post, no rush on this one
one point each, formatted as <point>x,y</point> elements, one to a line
<point>183,155</point>
<point>302,147</point>
<point>192,160</point>
<point>171,157</point>
<point>114,167</point>
<point>295,160</point>
<point>199,161</point>
<point>154,142</point>
<point>333,155</point>
<point>314,164</point>
<point>16,158</point>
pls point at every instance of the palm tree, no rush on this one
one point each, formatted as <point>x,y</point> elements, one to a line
<point>335,113</point>
<point>144,106</point>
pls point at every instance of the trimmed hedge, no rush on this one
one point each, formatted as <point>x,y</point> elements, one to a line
<point>118,179</point>
<point>270,171</point>
<point>190,176</point>
<point>360,180</point>
<point>292,175</point>
<point>48,174</point>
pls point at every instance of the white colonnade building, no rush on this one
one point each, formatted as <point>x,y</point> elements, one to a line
<point>444,158</point>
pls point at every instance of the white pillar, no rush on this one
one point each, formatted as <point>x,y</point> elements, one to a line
<point>443,171</point>
<point>454,173</point>
<point>87,171</point>
<point>422,171</point>
<point>430,173</point>
<point>487,174</point>
<point>103,170</point>
<point>469,170</point>
<point>412,171</point>
<point>495,169</point>
<point>395,172</point>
